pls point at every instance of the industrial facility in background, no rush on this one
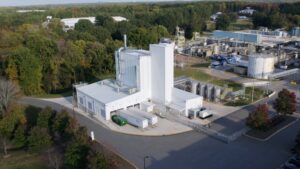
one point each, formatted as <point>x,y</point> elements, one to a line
<point>69,23</point>
<point>260,54</point>
<point>144,81</point>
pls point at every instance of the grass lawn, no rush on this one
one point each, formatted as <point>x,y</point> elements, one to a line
<point>257,95</point>
<point>22,160</point>
<point>201,65</point>
<point>202,76</point>
<point>241,24</point>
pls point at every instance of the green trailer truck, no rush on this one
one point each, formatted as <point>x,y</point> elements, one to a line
<point>119,120</point>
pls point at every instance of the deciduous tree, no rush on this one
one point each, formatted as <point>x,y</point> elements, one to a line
<point>258,119</point>
<point>9,95</point>
<point>285,103</point>
<point>38,139</point>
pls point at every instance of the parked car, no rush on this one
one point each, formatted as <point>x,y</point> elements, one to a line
<point>119,120</point>
<point>203,113</point>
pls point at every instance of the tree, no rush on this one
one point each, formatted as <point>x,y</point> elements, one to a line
<point>19,136</point>
<point>39,138</point>
<point>29,70</point>
<point>73,57</point>
<point>102,34</point>
<point>223,22</point>
<point>75,156</point>
<point>64,126</point>
<point>285,103</point>
<point>97,161</point>
<point>81,135</point>
<point>44,118</point>
<point>8,124</point>
<point>189,31</point>
<point>102,20</point>
<point>258,119</point>
<point>84,25</point>
<point>9,95</point>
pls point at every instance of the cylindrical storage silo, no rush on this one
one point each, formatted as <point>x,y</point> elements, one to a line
<point>269,62</point>
<point>202,87</point>
<point>194,87</point>
<point>188,86</point>
<point>255,66</point>
<point>217,94</point>
<point>208,92</point>
<point>260,66</point>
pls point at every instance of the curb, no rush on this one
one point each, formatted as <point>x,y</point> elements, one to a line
<point>278,131</point>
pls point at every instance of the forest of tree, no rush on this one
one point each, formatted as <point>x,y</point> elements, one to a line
<point>43,58</point>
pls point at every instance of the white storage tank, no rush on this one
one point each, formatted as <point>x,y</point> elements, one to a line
<point>209,92</point>
<point>202,89</point>
<point>217,94</point>
<point>261,65</point>
<point>194,87</point>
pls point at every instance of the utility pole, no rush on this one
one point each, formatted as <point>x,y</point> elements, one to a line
<point>252,90</point>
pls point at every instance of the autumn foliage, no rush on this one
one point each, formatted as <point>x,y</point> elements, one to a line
<point>258,119</point>
<point>286,102</point>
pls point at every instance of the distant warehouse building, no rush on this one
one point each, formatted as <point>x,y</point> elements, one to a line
<point>239,36</point>
<point>69,23</point>
<point>143,78</point>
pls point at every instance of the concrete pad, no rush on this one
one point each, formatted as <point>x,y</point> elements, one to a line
<point>218,111</point>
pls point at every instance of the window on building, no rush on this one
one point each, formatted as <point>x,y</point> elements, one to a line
<point>90,105</point>
<point>81,100</point>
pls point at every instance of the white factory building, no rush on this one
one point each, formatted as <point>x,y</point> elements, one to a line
<point>69,23</point>
<point>143,78</point>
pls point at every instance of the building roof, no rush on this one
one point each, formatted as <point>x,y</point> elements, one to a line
<point>119,18</point>
<point>137,52</point>
<point>179,96</point>
<point>103,93</point>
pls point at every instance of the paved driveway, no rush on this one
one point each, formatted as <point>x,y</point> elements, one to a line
<point>191,150</point>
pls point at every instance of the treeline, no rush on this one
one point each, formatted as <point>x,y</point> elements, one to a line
<point>54,134</point>
<point>46,59</point>
<point>42,58</point>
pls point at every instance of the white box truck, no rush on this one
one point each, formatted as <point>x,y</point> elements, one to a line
<point>152,119</point>
<point>133,119</point>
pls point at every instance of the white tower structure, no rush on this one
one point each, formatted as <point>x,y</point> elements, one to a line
<point>162,65</point>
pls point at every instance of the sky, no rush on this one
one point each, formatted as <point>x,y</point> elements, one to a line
<point>44,2</point>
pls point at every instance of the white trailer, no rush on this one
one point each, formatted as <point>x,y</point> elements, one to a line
<point>133,119</point>
<point>152,119</point>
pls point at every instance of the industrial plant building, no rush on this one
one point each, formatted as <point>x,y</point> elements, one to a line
<point>144,79</point>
